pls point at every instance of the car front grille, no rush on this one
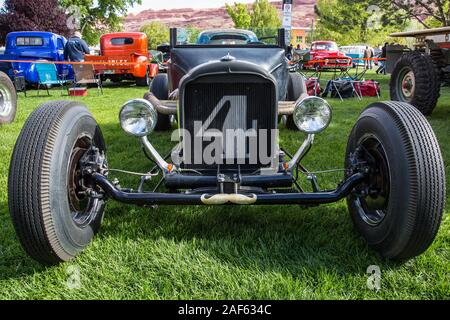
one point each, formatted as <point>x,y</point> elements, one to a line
<point>230,102</point>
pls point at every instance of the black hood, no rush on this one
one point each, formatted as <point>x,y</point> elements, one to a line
<point>265,60</point>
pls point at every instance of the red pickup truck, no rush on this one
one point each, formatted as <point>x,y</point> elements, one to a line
<point>127,58</point>
<point>326,55</point>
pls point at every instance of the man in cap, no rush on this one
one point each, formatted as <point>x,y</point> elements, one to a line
<point>76,48</point>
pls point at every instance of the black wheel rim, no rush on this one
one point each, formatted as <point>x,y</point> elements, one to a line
<point>372,197</point>
<point>83,207</point>
<point>406,84</point>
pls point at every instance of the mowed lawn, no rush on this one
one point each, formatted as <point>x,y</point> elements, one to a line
<point>276,252</point>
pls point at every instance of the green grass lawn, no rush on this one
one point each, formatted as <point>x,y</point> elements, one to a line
<point>276,252</point>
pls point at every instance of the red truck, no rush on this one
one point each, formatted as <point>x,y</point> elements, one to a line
<point>326,55</point>
<point>127,58</point>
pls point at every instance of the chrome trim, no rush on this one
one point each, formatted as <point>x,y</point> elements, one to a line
<point>6,104</point>
<point>304,148</point>
<point>156,156</point>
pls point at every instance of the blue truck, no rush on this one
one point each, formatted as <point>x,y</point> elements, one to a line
<point>34,45</point>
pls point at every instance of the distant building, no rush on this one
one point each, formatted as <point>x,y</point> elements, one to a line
<point>298,36</point>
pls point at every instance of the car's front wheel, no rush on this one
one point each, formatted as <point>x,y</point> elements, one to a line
<point>53,212</point>
<point>160,88</point>
<point>398,209</point>
<point>8,99</point>
<point>296,88</point>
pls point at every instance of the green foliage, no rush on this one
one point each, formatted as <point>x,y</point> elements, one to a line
<point>156,32</point>
<point>193,34</point>
<point>265,15</point>
<point>429,13</point>
<point>262,16</point>
<point>350,22</point>
<point>240,15</point>
<point>99,16</point>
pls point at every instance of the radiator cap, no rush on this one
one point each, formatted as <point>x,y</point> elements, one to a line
<point>227,58</point>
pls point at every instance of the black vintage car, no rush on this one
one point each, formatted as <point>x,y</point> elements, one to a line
<point>227,101</point>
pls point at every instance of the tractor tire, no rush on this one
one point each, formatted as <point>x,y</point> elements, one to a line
<point>398,209</point>
<point>144,81</point>
<point>416,80</point>
<point>8,99</point>
<point>160,88</point>
<point>295,89</point>
<point>53,221</point>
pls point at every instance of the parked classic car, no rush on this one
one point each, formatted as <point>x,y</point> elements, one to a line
<point>227,99</point>
<point>8,99</point>
<point>129,48</point>
<point>326,55</point>
<point>33,45</point>
<point>227,37</point>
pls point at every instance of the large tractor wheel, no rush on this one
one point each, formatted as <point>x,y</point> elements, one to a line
<point>53,212</point>
<point>296,88</point>
<point>398,209</point>
<point>8,99</point>
<point>416,80</point>
<point>160,88</point>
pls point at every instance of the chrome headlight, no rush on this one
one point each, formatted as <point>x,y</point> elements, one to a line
<point>138,117</point>
<point>312,115</point>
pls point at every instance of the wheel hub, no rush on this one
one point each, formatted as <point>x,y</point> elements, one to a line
<point>82,205</point>
<point>5,101</point>
<point>371,198</point>
<point>408,84</point>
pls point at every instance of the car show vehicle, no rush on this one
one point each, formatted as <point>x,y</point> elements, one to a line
<point>325,55</point>
<point>417,74</point>
<point>356,52</point>
<point>33,45</point>
<point>126,57</point>
<point>227,36</point>
<point>8,99</point>
<point>227,99</point>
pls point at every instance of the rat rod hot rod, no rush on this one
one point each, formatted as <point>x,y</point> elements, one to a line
<point>227,100</point>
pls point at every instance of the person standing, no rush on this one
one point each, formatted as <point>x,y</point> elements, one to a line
<point>367,56</point>
<point>290,51</point>
<point>382,68</point>
<point>76,48</point>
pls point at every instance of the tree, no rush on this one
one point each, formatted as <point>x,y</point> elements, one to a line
<point>263,15</point>
<point>156,32</point>
<point>429,13</point>
<point>193,33</point>
<point>43,15</point>
<point>98,16</point>
<point>354,21</point>
<point>240,15</point>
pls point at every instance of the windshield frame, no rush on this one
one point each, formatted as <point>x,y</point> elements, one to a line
<point>280,39</point>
